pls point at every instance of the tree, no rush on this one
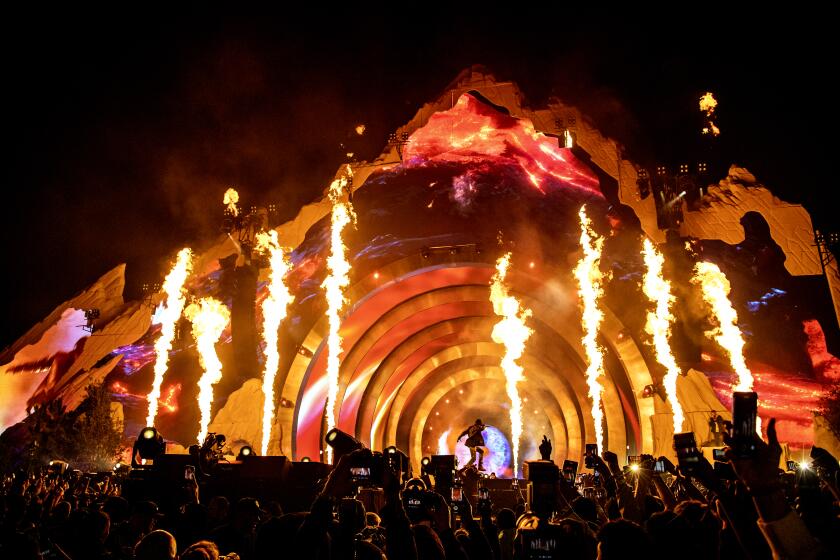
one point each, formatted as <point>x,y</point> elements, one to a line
<point>830,409</point>
<point>96,438</point>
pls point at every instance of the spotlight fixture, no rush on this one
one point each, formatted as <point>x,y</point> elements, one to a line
<point>149,445</point>
<point>649,391</point>
<point>425,462</point>
<point>306,460</point>
<point>245,452</point>
<point>341,442</point>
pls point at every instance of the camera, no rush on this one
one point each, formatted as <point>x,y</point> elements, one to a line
<point>366,468</point>
<point>688,455</point>
<point>718,454</point>
<point>590,454</point>
<point>744,412</point>
<point>570,470</point>
<point>659,467</point>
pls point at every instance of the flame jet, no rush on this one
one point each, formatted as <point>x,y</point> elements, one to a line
<point>512,333</point>
<point>333,285</point>
<point>658,326</point>
<point>209,318</point>
<point>168,314</point>
<point>274,309</point>
<point>715,287</point>
<point>708,104</point>
<point>590,290</point>
<point>230,199</point>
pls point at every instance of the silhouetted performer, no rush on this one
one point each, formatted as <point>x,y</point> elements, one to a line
<point>475,443</point>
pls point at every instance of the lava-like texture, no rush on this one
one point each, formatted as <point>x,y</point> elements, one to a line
<point>472,133</point>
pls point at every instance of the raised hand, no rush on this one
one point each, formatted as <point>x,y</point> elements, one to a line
<point>545,449</point>
<point>760,473</point>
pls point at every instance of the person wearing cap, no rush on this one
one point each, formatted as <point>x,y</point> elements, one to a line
<point>239,535</point>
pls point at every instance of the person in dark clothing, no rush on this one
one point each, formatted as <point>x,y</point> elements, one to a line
<point>475,443</point>
<point>239,536</point>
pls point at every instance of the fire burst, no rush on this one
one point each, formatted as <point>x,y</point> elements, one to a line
<point>209,318</point>
<point>334,284</point>
<point>511,332</point>
<point>590,287</point>
<point>716,288</point>
<point>168,315</point>
<point>231,198</point>
<point>659,326</point>
<point>708,104</point>
<point>274,309</point>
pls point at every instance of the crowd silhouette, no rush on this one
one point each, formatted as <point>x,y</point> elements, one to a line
<point>738,507</point>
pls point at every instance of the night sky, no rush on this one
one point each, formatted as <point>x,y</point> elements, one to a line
<point>123,133</point>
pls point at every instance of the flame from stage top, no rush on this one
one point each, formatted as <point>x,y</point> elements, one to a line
<point>512,333</point>
<point>230,199</point>
<point>659,325</point>
<point>708,104</point>
<point>168,314</point>
<point>274,309</point>
<point>334,284</point>
<point>209,318</point>
<point>715,287</point>
<point>590,289</point>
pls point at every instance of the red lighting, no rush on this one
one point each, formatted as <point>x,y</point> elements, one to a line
<point>169,402</point>
<point>472,132</point>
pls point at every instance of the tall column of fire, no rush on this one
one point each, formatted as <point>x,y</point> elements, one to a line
<point>512,333</point>
<point>209,318</point>
<point>274,309</point>
<point>590,289</point>
<point>335,282</point>
<point>715,287</point>
<point>658,326</point>
<point>168,314</point>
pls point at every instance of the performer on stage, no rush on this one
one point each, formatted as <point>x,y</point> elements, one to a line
<point>475,443</point>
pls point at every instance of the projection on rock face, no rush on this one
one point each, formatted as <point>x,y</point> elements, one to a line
<point>418,321</point>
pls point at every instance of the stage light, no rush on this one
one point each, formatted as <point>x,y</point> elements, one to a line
<point>651,390</point>
<point>149,445</point>
<point>341,442</point>
<point>805,466</point>
<point>634,467</point>
<point>306,460</point>
<point>245,452</point>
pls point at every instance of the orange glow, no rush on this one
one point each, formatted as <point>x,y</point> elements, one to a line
<point>209,318</point>
<point>274,308</point>
<point>708,104</point>
<point>170,400</point>
<point>230,199</point>
<point>511,332</point>
<point>590,289</point>
<point>471,132</point>
<point>658,326</point>
<point>334,284</point>
<point>168,314</point>
<point>725,331</point>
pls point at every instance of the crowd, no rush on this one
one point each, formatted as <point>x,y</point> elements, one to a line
<point>749,509</point>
